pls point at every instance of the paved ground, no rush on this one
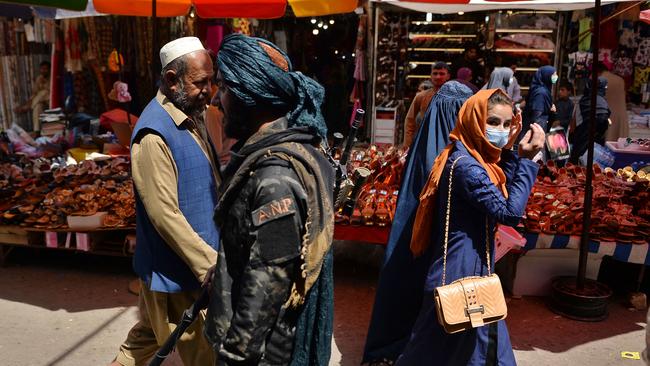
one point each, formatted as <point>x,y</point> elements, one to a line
<point>61,308</point>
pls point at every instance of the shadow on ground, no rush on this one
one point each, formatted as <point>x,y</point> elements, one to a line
<point>356,269</point>
<point>533,326</point>
<point>75,282</point>
<point>72,282</point>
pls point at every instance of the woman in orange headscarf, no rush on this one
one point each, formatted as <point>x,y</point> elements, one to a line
<point>491,184</point>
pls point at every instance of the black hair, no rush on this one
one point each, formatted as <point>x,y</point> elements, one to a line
<point>45,63</point>
<point>440,65</point>
<point>567,85</point>
<point>471,46</point>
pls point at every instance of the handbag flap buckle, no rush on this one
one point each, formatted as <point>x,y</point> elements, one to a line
<point>475,315</point>
<point>479,309</point>
<point>473,310</point>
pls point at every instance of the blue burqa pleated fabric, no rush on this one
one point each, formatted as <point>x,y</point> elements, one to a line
<point>399,291</point>
<point>254,78</point>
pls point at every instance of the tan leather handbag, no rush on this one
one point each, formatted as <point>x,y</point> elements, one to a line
<point>469,302</point>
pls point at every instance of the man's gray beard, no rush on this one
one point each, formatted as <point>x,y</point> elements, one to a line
<point>180,100</point>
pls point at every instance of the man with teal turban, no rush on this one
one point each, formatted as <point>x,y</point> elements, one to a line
<point>271,295</point>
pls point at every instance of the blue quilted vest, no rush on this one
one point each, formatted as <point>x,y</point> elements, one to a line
<point>154,261</point>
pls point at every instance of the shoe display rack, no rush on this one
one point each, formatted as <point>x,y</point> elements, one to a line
<point>390,44</point>
<point>438,38</point>
<point>407,44</point>
<point>530,39</point>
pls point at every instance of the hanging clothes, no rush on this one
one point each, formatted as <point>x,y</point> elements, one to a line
<point>642,56</point>
<point>72,54</point>
<point>585,41</point>
<point>624,67</point>
<point>641,77</point>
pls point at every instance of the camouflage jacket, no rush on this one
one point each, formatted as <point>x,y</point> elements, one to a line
<point>261,230</point>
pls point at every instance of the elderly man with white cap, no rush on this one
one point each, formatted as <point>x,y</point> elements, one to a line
<point>176,180</point>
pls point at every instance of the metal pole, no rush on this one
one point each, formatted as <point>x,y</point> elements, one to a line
<point>586,220</point>
<point>154,54</point>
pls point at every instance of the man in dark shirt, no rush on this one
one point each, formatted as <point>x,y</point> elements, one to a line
<point>271,299</point>
<point>470,60</point>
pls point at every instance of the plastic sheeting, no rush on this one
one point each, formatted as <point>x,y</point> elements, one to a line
<point>445,7</point>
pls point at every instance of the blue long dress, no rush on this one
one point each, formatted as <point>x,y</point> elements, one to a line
<point>539,100</point>
<point>399,295</point>
<point>474,198</point>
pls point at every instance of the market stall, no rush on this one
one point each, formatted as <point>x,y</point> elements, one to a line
<point>70,188</point>
<point>51,201</point>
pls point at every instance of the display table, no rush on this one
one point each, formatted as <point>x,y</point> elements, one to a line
<point>624,252</point>
<point>102,241</point>
<point>367,234</point>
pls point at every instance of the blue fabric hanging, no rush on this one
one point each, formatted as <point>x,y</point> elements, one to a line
<point>400,288</point>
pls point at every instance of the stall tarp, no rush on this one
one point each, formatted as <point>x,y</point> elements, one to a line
<point>312,8</point>
<point>63,4</point>
<point>445,7</point>
<point>164,8</point>
<point>260,9</point>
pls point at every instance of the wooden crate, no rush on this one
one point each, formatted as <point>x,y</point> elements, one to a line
<point>13,235</point>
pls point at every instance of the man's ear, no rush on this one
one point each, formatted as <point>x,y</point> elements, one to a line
<point>171,79</point>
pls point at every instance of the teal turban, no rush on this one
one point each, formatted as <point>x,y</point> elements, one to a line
<point>253,77</point>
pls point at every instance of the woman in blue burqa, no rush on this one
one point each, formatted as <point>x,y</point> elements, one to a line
<point>491,184</point>
<point>539,102</point>
<point>399,292</point>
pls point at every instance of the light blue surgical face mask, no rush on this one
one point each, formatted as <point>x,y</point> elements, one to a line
<point>497,137</point>
<point>554,79</point>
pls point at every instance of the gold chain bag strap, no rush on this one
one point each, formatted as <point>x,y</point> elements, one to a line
<point>469,302</point>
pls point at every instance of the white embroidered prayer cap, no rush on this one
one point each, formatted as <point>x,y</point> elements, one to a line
<point>179,47</point>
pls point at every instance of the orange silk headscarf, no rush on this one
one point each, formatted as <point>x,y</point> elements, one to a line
<point>470,130</point>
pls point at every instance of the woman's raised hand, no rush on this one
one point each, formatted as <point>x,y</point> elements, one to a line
<point>532,142</point>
